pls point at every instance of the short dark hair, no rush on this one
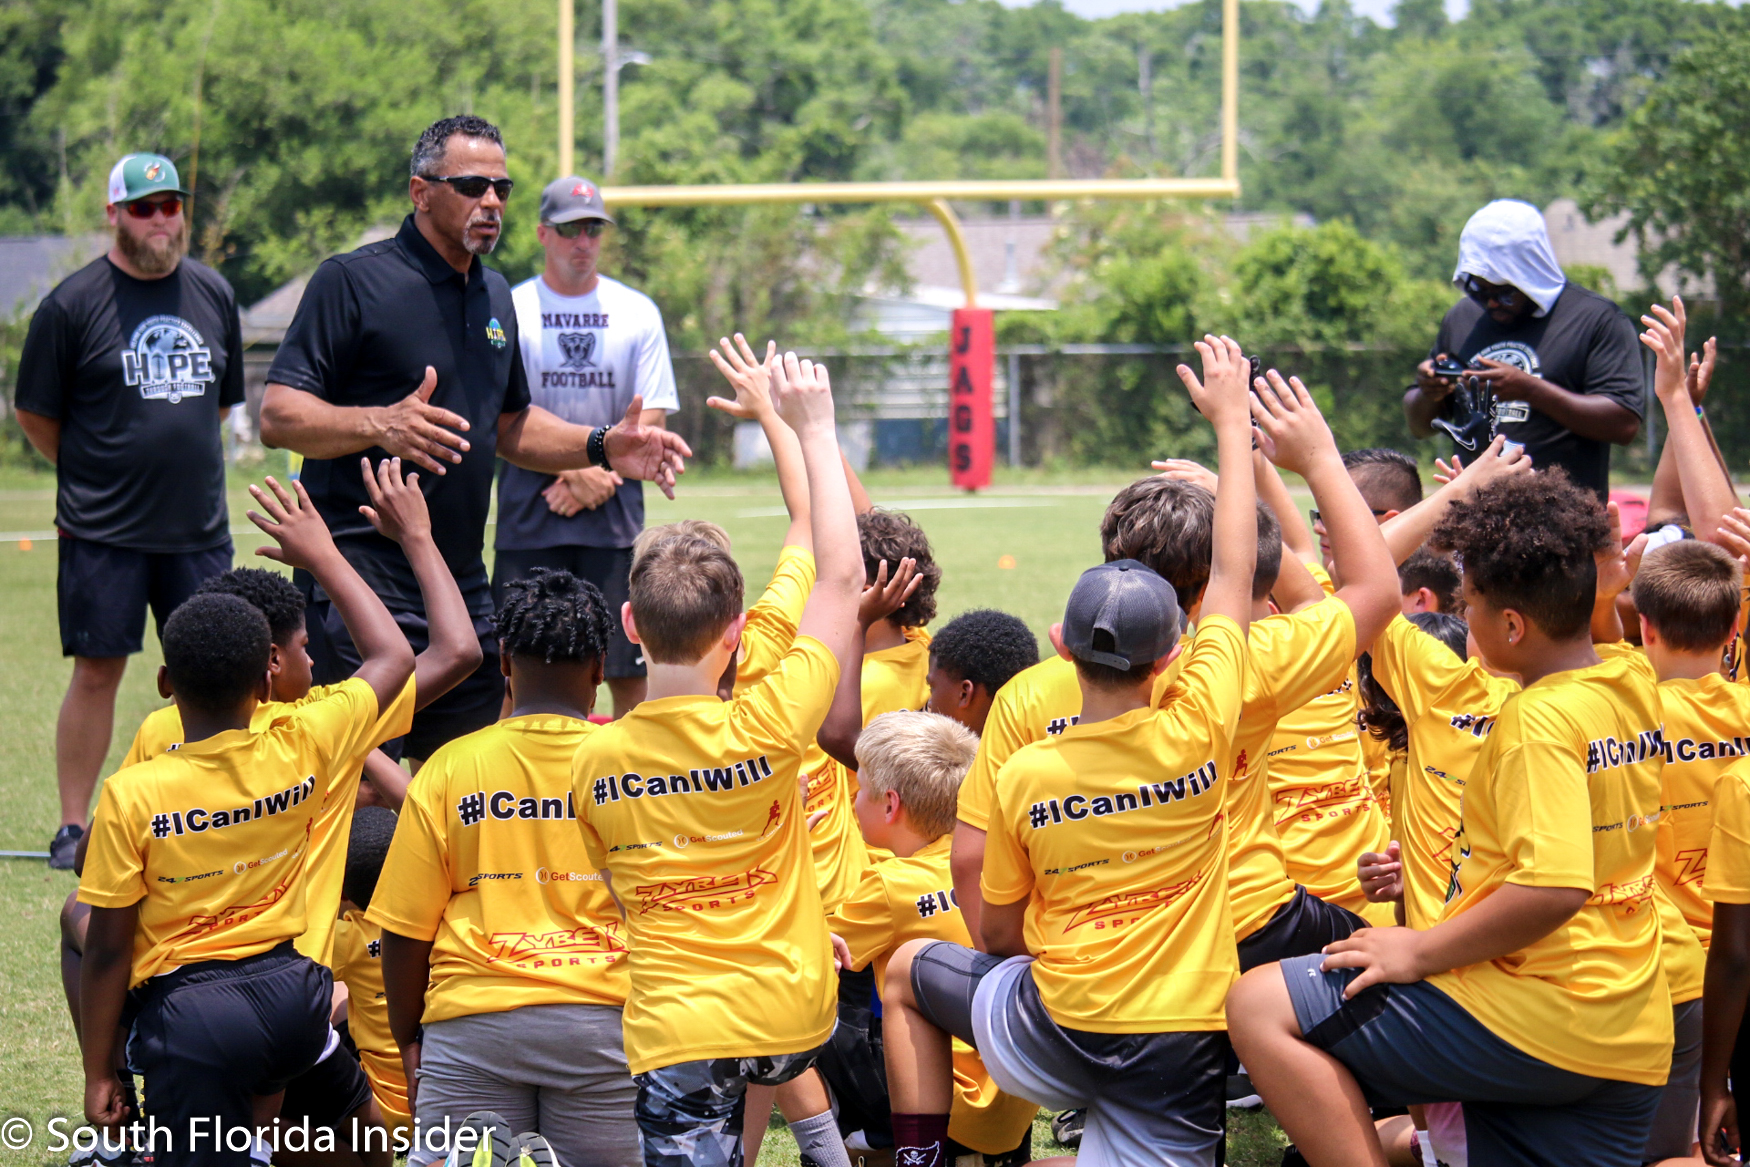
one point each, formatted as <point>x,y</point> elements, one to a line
<point>428,152</point>
<point>1167,525</point>
<point>1269,562</point>
<point>1689,592</point>
<point>893,536</point>
<point>277,597</point>
<point>1528,543</point>
<point>553,616</point>
<point>984,646</point>
<point>1437,573</point>
<point>1101,676</point>
<point>1389,478</point>
<point>684,591</point>
<point>216,649</point>
<point>1380,715</point>
<point>373,828</point>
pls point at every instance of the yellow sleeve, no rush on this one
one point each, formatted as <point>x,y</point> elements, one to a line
<point>115,867</point>
<point>1728,848</point>
<point>771,623</point>
<point>784,711</point>
<point>865,920</point>
<point>1008,872</point>
<point>1320,577</point>
<point>1002,736</point>
<point>1213,679</point>
<point>1305,654</point>
<point>1414,668</point>
<point>414,887</point>
<point>1544,807</point>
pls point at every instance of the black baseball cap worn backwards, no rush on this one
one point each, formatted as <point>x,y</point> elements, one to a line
<point>1121,614</point>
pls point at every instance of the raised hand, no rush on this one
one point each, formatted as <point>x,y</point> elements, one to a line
<point>1734,534</point>
<point>398,508</point>
<point>647,452</point>
<point>415,429</point>
<point>1664,335</point>
<point>748,375</point>
<point>883,597</point>
<point>1291,422</point>
<point>1186,470</point>
<point>292,522</point>
<point>1221,393</point>
<point>1701,371</point>
<point>801,391</point>
<point>1493,462</point>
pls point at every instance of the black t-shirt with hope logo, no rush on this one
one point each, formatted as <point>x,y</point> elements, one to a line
<point>1584,344</point>
<point>136,372</point>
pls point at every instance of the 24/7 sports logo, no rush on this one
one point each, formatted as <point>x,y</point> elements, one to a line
<point>166,359</point>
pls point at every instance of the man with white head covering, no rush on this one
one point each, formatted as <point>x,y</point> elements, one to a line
<point>1551,365</point>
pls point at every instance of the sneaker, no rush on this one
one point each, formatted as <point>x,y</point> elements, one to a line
<point>532,1150</point>
<point>64,846</point>
<point>494,1145</point>
<point>1066,1127</point>
<point>1240,1095</point>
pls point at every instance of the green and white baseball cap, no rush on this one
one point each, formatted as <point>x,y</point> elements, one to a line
<point>139,175</point>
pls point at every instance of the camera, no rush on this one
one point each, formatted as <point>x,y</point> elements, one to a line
<point>1447,367</point>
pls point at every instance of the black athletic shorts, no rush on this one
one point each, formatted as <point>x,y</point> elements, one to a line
<point>608,568</point>
<point>474,704</point>
<point>1303,925</point>
<point>210,1037</point>
<point>104,591</point>
<point>327,1093</point>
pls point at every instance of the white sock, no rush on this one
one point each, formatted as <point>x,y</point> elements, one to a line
<point>818,1140</point>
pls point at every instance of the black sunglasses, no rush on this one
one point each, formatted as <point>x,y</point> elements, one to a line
<point>591,227</point>
<point>472,186</point>
<point>1482,292</point>
<point>1318,518</point>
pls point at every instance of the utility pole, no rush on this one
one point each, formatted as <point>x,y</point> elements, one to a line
<point>567,83</point>
<point>610,86</point>
<point>1054,115</point>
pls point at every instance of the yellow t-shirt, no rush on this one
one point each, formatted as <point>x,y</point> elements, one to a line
<point>1566,794</point>
<point>1114,831</point>
<point>772,621</point>
<point>1706,726</point>
<point>488,865</point>
<point>1038,702</point>
<point>1449,706</point>
<point>1728,871</point>
<point>912,898</point>
<point>693,807</point>
<point>892,679</point>
<point>325,871</point>
<point>214,839</point>
<point>358,962</point>
<point>1376,760</point>
<point>1326,813</point>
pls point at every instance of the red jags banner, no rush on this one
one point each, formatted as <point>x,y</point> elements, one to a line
<point>971,429</point>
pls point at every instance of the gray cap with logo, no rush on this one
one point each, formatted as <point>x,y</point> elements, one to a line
<point>1121,614</point>
<point>566,200</point>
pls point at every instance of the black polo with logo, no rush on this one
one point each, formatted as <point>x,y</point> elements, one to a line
<point>368,325</point>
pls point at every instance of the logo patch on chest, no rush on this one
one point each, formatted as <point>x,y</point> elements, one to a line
<point>495,333</point>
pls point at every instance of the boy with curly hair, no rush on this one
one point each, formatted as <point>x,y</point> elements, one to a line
<point>971,658</point>
<point>1539,998</point>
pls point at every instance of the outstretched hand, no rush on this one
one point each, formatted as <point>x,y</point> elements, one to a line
<point>636,450</point>
<point>415,429</point>
<point>801,391</point>
<point>1493,462</point>
<point>292,522</point>
<point>1617,564</point>
<point>398,509</point>
<point>1293,433</point>
<point>1221,393</point>
<point>883,596</point>
<point>1734,534</point>
<point>748,375</point>
<point>1664,335</point>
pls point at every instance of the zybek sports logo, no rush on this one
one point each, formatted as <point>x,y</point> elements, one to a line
<point>166,359</point>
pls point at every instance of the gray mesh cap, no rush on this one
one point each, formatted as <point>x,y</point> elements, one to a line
<point>565,200</point>
<point>1121,614</point>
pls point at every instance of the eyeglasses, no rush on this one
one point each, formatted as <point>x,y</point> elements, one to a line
<point>591,227</point>
<point>141,209</point>
<point>473,186</point>
<point>1482,292</point>
<point>1318,518</point>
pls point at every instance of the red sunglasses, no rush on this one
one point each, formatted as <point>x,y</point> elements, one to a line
<point>141,209</point>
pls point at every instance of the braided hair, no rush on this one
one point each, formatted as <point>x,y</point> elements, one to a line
<point>553,616</point>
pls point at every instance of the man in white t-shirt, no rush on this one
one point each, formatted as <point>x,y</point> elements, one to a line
<point>590,344</point>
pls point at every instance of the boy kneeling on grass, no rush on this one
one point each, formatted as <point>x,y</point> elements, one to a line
<point>1539,998</point>
<point>1105,868</point>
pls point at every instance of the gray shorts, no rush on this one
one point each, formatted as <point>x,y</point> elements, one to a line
<point>1674,1123</point>
<point>556,1069</point>
<point>690,1113</point>
<point>1411,1044</point>
<point>1151,1098</point>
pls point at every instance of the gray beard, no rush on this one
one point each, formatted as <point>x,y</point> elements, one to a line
<point>477,247</point>
<point>158,257</point>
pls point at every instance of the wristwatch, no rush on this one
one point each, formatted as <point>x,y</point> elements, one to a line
<point>598,447</point>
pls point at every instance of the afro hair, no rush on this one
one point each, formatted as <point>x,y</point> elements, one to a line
<point>984,646</point>
<point>373,827</point>
<point>216,649</point>
<point>279,600</point>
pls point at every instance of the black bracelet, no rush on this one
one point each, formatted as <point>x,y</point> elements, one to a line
<point>598,447</point>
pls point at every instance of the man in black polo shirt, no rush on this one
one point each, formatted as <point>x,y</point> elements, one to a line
<point>408,348</point>
<point>129,367</point>
<point>1553,366</point>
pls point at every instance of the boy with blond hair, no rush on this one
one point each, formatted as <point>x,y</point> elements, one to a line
<point>691,808</point>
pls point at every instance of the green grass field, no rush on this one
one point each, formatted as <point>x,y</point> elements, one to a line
<point>1047,524</point>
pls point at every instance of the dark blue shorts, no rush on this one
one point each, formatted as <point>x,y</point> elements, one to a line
<point>1411,1044</point>
<point>103,592</point>
<point>1304,924</point>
